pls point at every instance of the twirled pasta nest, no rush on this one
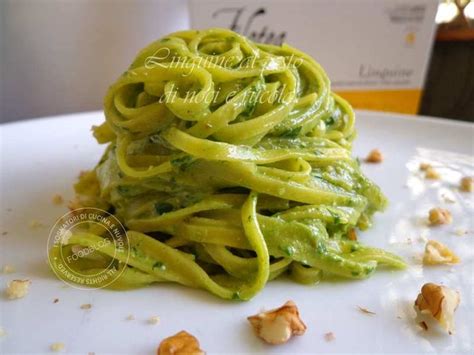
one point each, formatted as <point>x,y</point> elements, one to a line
<point>229,163</point>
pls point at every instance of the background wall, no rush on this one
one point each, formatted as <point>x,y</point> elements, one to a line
<point>59,56</point>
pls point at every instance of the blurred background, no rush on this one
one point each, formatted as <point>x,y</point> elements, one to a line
<point>409,56</point>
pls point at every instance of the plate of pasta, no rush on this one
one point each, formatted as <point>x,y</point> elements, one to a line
<point>224,180</point>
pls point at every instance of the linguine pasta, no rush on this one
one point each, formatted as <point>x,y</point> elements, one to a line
<point>229,163</point>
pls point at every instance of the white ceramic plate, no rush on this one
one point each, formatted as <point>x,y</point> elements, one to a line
<point>40,158</point>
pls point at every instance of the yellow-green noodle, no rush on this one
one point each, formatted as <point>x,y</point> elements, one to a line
<point>229,163</point>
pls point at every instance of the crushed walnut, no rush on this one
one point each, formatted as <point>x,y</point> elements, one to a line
<point>57,347</point>
<point>375,156</point>
<point>181,343</point>
<point>278,325</point>
<point>130,317</point>
<point>154,320</point>
<point>448,199</point>
<point>437,253</point>
<point>425,166</point>
<point>440,302</point>
<point>365,310</point>
<point>56,300</point>
<point>86,306</point>
<point>432,174</point>
<point>438,216</point>
<point>467,184</point>
<point>57,199</point>
<point>17,289</point>
<point>460,232</point>
<point>329,336</point>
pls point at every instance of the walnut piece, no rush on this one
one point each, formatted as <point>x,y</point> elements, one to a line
<point>375,156</point>
<point>467,184</point>
<point>432,174</point>
<point>423,325</point>
<point>278,325</point>
<point>437,253</point>
<point>439,216</point>
<point>365,310</point>
<point>154,320</point>
<point>181,343</point>
<point>425,166</point>
<point>17,289</point>
<point>57,347</point>
<point>440,302</point>
<point>460,232</point>
<point>329,336</point>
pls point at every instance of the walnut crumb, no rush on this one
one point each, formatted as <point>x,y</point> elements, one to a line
<point>423,325</point>
<point>448,199</point>
<point>460,232</point>
<point>365,310</point>
<point>432,174</point>
<point>58,347</point>
<point>57,199</point>
<point>375,156</point>
<point>56,300</point>
<point>86,306</point>
<point>17,289</point>
<point>154,320</point>
<point>8,269</point>
<point>437,253</point>
<point>467,184</point>
<point>438,216</point>
<point>181,343</point>
<point>440,302</point>
<point>329,336</point>
<point>278,325</point>
<point>425,166</point>
<point>130,317</point>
